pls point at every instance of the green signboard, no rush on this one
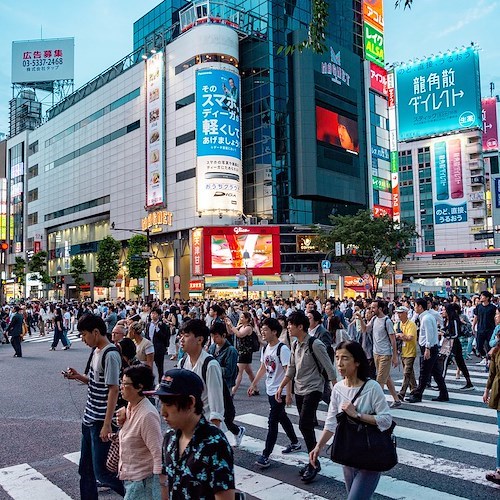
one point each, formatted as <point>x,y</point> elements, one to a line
<point>380,184</point>
<point>374,44</point>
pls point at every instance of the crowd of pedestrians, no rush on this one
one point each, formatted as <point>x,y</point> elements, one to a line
<point>309,351</point>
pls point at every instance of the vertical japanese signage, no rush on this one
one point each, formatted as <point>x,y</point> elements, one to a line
<point>197,252</point>
<point>438,95</point>
<point>374,13</point>
<point>450,205</point>
<point>155,180</point>
<point>374,44</point>
<point>378,79</point>
<point>393,146</point>
<point>218,141</point>
<point>490,128</point>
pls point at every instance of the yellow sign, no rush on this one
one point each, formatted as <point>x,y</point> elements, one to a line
<point>305,243</point>
<point>157,218</point>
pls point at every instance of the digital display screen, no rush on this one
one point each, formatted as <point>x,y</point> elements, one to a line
<point>337,130</point>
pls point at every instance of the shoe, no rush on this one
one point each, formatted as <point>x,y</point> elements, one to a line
<point>66,348</point>
<point>52,349</point>
<point>457,377</point>
<point>395,404</point>
<point>256,393</point>
<point>303,470</point>
<point>263,462</point>
<point>439,398</point>
<point>401,397</point>
<point>433,387</point>
<point>494,477</point>
<point>468,387</point>
<point>413,399</point>
<point>291,448</point>
<point>239,437</point>
<point>482,362</point>
<point>311,473</point>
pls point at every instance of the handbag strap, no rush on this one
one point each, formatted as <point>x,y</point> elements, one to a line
<point>359,392</point>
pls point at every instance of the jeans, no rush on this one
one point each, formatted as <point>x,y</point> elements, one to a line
<point>277,415</point>
<point>482,344</point>
<point>59,335</point>
<point>146,489</point>
<point>307,406</point>
<point>430,367</point>
<point>360,484</point>
<point>93,464</point>
<point>459,359</point>
<point>408,376</point>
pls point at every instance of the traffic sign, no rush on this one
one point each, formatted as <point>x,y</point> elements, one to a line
<point>326,271</point>
<point>326,264</point>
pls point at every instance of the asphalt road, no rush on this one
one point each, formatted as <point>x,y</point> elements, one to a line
<point>444,448</point>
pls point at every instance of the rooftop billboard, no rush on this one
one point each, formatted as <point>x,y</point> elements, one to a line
<point>438,95</point>
<point>490,128</point>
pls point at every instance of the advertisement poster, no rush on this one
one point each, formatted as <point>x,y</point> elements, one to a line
<point>336,130</point>
<point>450,205</point>
<point>218,141</point>
<point>437,95</point>
<point>378,79</point>
<point>155,182</point>
<point>224,249</point>
<point>374,44</point>
<point>490,127</point>
<point>373,11</point>
<point>43,60</point>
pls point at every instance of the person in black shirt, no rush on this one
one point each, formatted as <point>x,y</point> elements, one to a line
<point>484,324</point>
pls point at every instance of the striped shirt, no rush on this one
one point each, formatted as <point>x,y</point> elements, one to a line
<point>99,381</point>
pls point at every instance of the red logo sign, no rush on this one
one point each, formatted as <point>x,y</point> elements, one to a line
<point>378,78</point>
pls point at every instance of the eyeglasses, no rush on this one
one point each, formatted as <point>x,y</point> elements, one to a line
<point>126,383</point>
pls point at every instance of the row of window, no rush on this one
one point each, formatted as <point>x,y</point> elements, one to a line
<point>205,58</point>
<point>93,117</point>
<point>78,208</point>
<point>93,145</point>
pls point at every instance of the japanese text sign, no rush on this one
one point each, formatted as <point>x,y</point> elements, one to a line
<point>490,128</point>
<point>440,94</point>
<point>374,44</point>
<point>373,11</point>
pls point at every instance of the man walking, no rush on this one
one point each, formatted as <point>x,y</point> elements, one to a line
<point>406,332</point>
<point>429,347</point>
<point>484,324</point>
<point>15,330</point>
<point>158,333</point>
<point>102,380</point>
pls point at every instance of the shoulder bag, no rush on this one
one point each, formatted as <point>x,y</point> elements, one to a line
<point>363,446</point>
<point>113,454</point>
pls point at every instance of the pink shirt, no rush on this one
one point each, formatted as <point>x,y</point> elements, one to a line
<point>140,443</point>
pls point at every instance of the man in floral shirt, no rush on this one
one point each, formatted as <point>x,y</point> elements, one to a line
<point>197,458</point>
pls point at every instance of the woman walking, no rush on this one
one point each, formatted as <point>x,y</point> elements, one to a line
<point>370,408</point>
<point>59,331</point>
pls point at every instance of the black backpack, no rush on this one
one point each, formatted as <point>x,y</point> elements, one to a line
<point>103,360</point>
<point>229,410</point>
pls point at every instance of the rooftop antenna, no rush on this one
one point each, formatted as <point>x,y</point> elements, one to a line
<point>492,88</point>
<point>41,32</point>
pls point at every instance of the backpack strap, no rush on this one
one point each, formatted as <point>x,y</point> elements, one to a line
<point>204,368</point>
<point>103,360</point>
<point>310,342</point>
<point>278,352</point>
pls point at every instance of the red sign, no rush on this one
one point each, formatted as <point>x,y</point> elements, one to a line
<point>392,97</point>
<point>380,211</point>
<point>196,285</point>
<point>490,129</point>
<point>196,252</point>
<point>224,249</point>
<point>378,78</point>
<point>37,246</point>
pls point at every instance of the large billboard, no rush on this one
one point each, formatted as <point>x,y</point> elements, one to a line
<point>373,11</point>
<point>218,141</point>
<point>490,128</point>
<point>438,95</point>
<point>155,181</point>
<point>450,204</point>
<point>336,130</point>
<point>225,246</point>
<point>374,44</point>
<point>43,60</point>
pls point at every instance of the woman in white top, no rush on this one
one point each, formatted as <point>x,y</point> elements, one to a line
<point>370,407</point>
<point>145,349</point>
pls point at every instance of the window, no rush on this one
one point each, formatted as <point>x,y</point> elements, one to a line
<point>186,174</point>
<point>33,195</point>
<point>182,139</point>
<point>78,208</point>
<point>32,219</point>
<point>33,148</point>
<point>32,172</point>
<point>185,101</point>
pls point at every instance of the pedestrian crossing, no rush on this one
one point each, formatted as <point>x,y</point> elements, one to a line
<point>444,451</point>
<point>49,337</point>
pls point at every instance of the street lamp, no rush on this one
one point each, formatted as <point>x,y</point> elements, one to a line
<point>393,264</point>
<point>246,258</point>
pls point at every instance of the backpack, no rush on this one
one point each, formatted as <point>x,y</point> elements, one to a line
<point>103,360</point>
<point>229,410</point>
<point>255,342</point>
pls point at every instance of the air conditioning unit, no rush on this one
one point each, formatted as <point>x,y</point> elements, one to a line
<point>252,220</point>
<point>264,222</point>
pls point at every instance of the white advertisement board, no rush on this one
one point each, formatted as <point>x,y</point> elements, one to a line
<point>155,182</point>
<point>43,60</point>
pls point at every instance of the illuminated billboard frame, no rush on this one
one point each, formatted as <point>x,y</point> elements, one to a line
<point>223,248</point>
<point>336,129</point>
<point>438,95</point>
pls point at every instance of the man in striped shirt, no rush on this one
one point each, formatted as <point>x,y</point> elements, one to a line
<point>103,380</point>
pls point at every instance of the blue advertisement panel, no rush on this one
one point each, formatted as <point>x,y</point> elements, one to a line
<point>218,113</point>
<point>447,214</point>
<point>439,94</point>
<point>497,192</point>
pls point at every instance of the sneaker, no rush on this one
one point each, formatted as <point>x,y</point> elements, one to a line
<point>395,404</point>
<point>303,469</point>
<point>311,473</point>
<point>440,399</point>
<point>468,387</point>
<point>494,477</point>
<point>239,437</point>
<point>291,448</point>
<point>401,397</point>
<point>482,362</point>
<point>263,462</point>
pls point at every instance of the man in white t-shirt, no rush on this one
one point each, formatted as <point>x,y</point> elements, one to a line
<point>274,359</point>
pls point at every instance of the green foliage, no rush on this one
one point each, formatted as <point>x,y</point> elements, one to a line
<point>371,243</point>
<point>137,267</point>
<point>108,256</point>
<point>405,3</point>
<point>137,290</point>
<point>38,266</point>
<point>19,269</point>
<point>76,270</point>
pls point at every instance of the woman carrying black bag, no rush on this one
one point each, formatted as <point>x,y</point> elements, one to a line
<point>357,405</point>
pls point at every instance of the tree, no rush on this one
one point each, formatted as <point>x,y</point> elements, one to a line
<point>405,3</point>
<point>76,270</point>
<point>38,266</point>
<point>137,265</point>
<point>108,256</point>
<point>371,244</point>
<point>137,290</point>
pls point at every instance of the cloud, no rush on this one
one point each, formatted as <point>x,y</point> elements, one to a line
<point>482,9</point>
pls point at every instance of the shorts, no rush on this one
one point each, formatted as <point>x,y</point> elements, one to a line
<point>383,367</point>
<point>245,358</point>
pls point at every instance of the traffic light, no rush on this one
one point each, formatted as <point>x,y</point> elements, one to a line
<point>4,246</point>
<point>320,282</point>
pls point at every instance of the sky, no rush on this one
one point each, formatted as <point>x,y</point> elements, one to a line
<point>103,33</point>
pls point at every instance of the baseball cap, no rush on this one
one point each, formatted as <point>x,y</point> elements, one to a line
<point>402,309</point>
<point>178,382</point>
